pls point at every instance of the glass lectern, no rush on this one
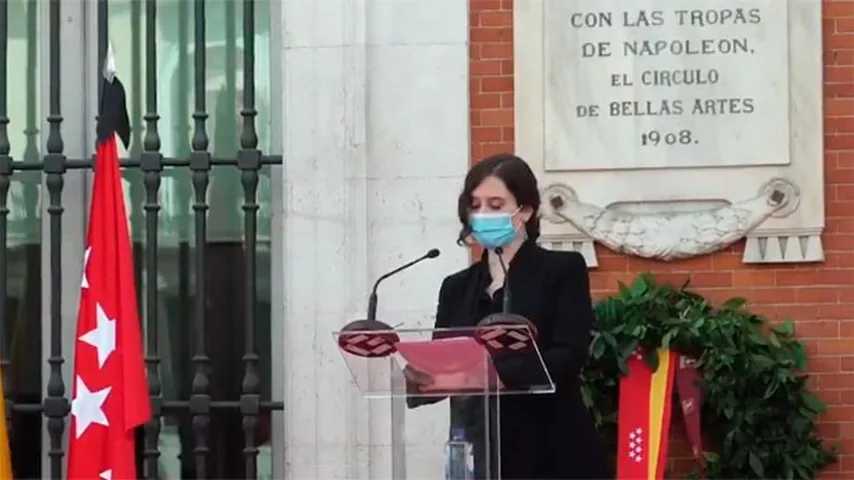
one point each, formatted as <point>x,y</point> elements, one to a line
<point>472,367</point>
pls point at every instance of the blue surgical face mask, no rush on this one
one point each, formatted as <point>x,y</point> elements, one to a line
<point>493,229</point>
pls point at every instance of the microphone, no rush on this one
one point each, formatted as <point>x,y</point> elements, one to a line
<point>381,343</point>
<point>505,318</point>
<point>505,304</point>
<point>372,300</point>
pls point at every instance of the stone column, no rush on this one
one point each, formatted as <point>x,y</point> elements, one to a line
<point>375,114</point>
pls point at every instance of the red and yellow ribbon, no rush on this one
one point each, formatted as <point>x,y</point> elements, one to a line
<point>644,417</point>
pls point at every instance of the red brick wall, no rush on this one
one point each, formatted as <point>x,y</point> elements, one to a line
<point>491,76</point>
<point>819,297</point>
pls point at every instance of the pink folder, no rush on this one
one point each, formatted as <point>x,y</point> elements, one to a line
<point>455,364</point>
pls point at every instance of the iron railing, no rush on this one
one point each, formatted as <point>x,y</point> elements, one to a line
<point>54,165</point>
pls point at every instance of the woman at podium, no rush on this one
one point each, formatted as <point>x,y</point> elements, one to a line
<point>547,435</point>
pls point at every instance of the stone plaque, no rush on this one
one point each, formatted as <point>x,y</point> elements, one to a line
<point>607,114</point>
<point>665,83</point>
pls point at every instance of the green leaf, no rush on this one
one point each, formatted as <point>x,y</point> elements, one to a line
<point>813,403</point>
<point>665,340</point>
<point>622,366</point>
<point>761,361</point>
<point>586,396</point>
<point>733,303</point>
<point>787,328</point>
<point>772,338</point>
<point>800,356</point>
<point>787,471</point>
<point>640,287</point>
<point>757,339</point>
<point>609,339</point>
<point>598,348</point>
<point>651,359</point>
<point>771,390</point>
<point>756,465</point>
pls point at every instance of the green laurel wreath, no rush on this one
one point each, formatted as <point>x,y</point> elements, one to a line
<point>758,415</point>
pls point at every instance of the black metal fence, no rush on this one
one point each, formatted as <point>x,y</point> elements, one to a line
<point>200,405</point>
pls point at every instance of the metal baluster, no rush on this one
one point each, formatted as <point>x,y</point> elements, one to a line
<point>249,162</point>
<point>5,173</point>
<point>230,78</point>
<point>5,148</point>
<point>136,78</point>
<point>31,151</point>
<point>151,162</point>
<point>182,216</point>
<point>134,176</point>
<point>200,164</point>
<point>29,181</point>
<point>102,43</point>
<point>181,177</point>
<point>248,138</point>
<point>56,406</point>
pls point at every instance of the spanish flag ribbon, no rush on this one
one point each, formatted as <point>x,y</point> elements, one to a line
<point>644,416</point>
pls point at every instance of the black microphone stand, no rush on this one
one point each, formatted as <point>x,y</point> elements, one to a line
<point>505,304</point>
<point>371,323</point>
<point>506,316</point>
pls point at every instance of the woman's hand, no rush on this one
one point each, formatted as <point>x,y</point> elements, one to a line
<point>416,378</point>
<point>416,381</point>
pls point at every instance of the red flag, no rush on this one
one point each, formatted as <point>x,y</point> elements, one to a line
<point>109,388</point>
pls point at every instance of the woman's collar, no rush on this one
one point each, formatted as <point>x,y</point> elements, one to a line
<point>521,257</point>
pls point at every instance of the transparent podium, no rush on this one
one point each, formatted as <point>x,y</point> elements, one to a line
<point>468,370</point>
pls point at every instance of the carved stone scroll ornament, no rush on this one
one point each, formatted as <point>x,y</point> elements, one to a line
<point>670,235</point>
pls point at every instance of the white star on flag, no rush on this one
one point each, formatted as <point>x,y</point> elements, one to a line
<point>85,282</point>
<point>102,337</point>
<point>106,474</point>
<point>86,407</point>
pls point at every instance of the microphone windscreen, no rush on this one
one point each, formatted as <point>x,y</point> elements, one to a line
<point>433,253</point>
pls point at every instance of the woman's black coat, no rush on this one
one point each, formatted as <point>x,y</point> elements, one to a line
<point>544,435</point>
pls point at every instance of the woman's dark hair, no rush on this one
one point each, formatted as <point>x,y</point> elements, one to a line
<point>519,179</point>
